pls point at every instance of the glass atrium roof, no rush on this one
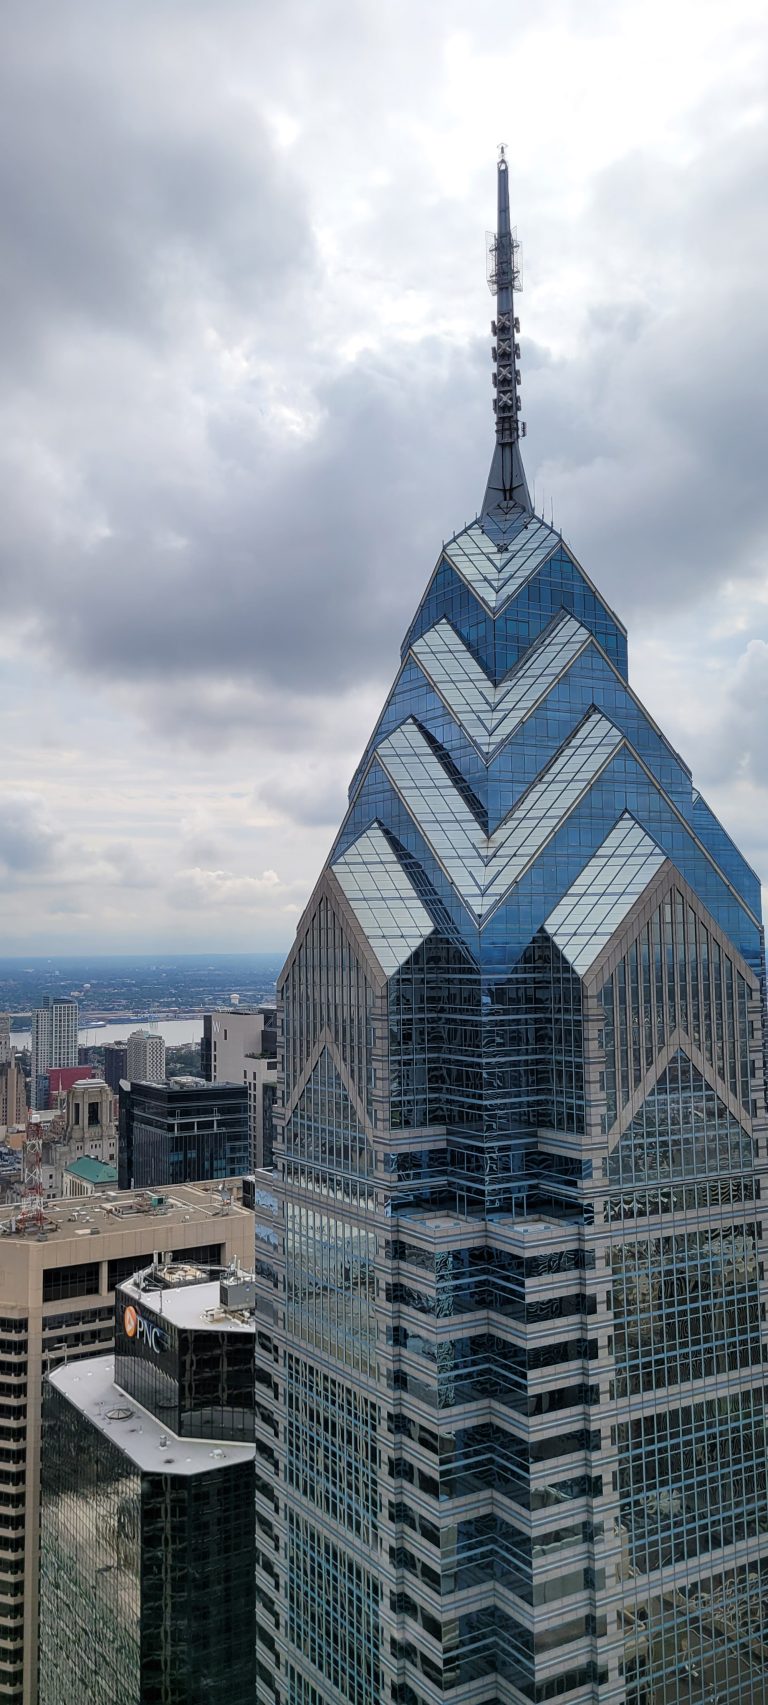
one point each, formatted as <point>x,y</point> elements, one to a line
<point>383,899</point>
<point>495,572</point>
<point>489,714</point>
<point>600,898</point>
<point>483,868</point>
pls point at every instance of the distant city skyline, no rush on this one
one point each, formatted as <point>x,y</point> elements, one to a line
<point>243,353</point>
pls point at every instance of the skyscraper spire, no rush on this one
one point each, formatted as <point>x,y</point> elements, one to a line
<point>506,481</point>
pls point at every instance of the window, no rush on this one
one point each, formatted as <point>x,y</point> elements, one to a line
<point>79,1281</point>
<point>93,1112</point>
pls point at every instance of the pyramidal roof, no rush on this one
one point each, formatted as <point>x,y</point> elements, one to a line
<point>513,782</point>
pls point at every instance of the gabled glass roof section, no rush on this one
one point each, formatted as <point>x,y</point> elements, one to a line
<point>483,868</point>
<point>495,572</point>
<point>383,899</point>
<point>490,714</point>
<point>603,895</point>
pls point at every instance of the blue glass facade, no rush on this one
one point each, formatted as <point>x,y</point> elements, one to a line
<point>518,1354</point>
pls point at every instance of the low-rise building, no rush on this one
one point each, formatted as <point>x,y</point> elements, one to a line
<point>87,1177</point>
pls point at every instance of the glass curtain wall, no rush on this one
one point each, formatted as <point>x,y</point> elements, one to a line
<point>512,1368</point>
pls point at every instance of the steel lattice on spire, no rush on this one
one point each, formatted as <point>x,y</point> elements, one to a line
<point>505,276</point>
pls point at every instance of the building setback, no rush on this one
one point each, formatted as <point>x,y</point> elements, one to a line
<point>58,1306</point>
<point>173,1132</point>
<point>519,1355</point>
<point>147,1584</point>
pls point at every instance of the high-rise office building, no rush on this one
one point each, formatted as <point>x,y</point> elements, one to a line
<point>239,1044</point>
<point>145,1052</point>
<point>13,1099</point>
<point>57,1306</point>
<point>13,1095</point>
<point>169,1133</point>
<point>148,1524</point>
<point>54,1042</point>
<point>116,1063</point>
<point>520,1369</point>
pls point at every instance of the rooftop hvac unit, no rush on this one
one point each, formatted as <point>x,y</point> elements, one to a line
<point>238,1293</point>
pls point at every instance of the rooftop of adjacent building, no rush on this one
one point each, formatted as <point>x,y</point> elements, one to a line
<point>127,1210</point>
<point>241,1011</point>
<point>90,1387</point>
<point>179,1087</point>
<point>93,1171</point>
<point>185,1302</point>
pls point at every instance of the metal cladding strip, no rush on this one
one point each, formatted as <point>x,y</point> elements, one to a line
<point>383,899</point>
<point>482,868</point>
<point>595,905</point>
<point>490,714</point>
<point>494,572</point>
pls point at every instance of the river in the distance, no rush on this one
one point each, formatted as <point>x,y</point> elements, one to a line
<point>174,1031</point>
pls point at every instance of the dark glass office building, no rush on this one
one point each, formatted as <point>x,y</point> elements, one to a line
<point>521,1370</point>
<point>115,1064</point>
<point>172,1134</point>
<point>147,1583</point>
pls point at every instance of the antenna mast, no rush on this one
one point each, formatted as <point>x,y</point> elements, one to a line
<point>505,276</point>
<point>32,1210</point>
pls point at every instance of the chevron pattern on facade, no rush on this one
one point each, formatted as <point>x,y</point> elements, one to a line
<point>484,867</point>
<point>497,562</point>
<point>521,1178</point>
<point>490,715</point>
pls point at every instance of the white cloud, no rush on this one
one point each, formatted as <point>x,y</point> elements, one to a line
<point>196,887</point>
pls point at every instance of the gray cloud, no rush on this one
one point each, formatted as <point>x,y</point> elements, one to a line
<point>248,382</point>
<point>27,839</point>
<point>244,554</point>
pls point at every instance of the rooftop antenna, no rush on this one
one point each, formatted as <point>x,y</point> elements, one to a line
<point>32,1211</point>
<point>506,482</point>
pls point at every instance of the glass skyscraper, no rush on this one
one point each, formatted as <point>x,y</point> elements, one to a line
<point>513,1311</point>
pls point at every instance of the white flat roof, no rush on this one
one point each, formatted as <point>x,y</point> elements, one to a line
<point>189,1306</point>
<point>90,1387</point>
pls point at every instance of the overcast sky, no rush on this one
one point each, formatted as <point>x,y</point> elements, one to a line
<point>244,340</point>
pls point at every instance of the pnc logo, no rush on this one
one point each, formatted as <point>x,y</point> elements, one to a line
<point>144,1331</point>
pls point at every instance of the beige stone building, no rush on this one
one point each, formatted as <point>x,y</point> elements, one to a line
<point>84,1127</point>
<point>13,1098</point>
<point>56,1305</point>
<point>239,1045</point>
